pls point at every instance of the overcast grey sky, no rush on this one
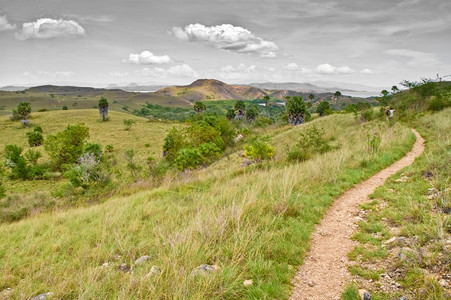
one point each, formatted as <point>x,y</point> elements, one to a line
<point>377,43</point>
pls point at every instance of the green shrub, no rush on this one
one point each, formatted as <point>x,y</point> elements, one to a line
<point>262,121</point>
<point>35,138</point>
<point>109,148</point>
<point>132,166</point>
<point>68,145</point>
<point>188,158</point>
<point>65,107</point>
<point>16,162</point>
<point>310,143</point>
<point>373,143</point>
<point>324,109</point>
<point>95,149</point>
<point>367,115</point>
<point>128,124</point>
<point>87,172</point>
<point>439,102</point>
<point>258,149</point>
<point>32,156</point>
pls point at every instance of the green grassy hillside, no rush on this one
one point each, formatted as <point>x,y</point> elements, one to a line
<point>252,223</point>
<point>144,137</point>
<point>54,98</point>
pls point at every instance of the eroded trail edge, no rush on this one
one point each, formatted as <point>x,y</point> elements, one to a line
<point>324,273</point>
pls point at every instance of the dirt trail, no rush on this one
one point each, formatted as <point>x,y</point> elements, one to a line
<point>324,273</point>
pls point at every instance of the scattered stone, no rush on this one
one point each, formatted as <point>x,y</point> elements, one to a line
<point>246,163</point>
<point>427,174</point>
<point>154,271</point>
<point>387,242</point>
<point>142,260</point>
<point>204,269</point>
<point>397,285</point>
<point>443,282</point>
<point>402,179</point>
<point>383,275</point>
<point>124,267</point>
<point>238,137</point>
<point>247,282</point>
<point>403,241</point>
<point>403,298</point>
<point>311,283</point>
<point>105,265</point>
<point>364,295</point>
<point>42,296</point>
<point>117,257</point>
<point>405,253</point>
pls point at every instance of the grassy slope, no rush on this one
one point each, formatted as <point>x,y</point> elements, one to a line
<point>253,223</point>
<point>111,132</point>
<point>117,100</point>
<point>410,210</point>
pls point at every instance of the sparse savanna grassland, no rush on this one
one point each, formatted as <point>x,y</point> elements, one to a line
<point>250,223</point>
<point>29,197</point>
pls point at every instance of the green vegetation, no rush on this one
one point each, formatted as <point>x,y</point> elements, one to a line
<point>297,111</point>
<point>103,108</point>
<point>253,222</point>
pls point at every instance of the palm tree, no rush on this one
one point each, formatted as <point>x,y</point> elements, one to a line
<point>296,110</point>
<point>199,107</point>
<point>266,98</point>
<point>103,108</point>
<point>311,97</point>
<point>337,96</point>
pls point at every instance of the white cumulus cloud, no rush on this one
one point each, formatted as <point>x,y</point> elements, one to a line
<point>329,69</point>
<point>294,67</point>
<point>5,25</point>
<point>146,58</point>
<point>366,71</point>
<point>49,28</point>
<point>227,37</point>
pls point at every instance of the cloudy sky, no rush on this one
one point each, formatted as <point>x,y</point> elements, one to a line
<point>376,43</point>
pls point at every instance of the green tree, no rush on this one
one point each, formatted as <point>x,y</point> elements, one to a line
<point>24,109</point>
<point>324,108</point>
<point>296,110</point>
<point>311,97</point>
<point>199,107</point>
<point>16,162</point>
<point>266,98</point>
<point>103,108</point>
<point>230,114</point>
<point>251,113</point>
<point>240,109</point>
<point>68,145</point>
<point>394,89</point>
<point>337,96</point>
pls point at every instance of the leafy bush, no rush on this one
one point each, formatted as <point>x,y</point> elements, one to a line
<point>132,166</point>
<point>35,138</point>
<point>65,107</point>
<point>95,149</point>
<point>32,156</point>
<point>68,145</point>
<point>16,162</point>
<point>310,143</point>
<point>262,121</point>
<point>324,109</point>
<point>128,124</point>
<point>373,143</point>
<point>439,102</point>
<point>296,110</point>
<point>109,148</point>
<point>367,115</point>
<point>188,158</point>
<point>88,171</point>
<point>259,149</point>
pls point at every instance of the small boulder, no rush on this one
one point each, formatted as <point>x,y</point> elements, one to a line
<point>364,295</point>
<point>105,265</point>
<point>124,267</point>
<point>402,179</point>
<point>204,269</point>
<point>247,282</point>
<point>142,260</point>
<point>311,283</point>
<point>43,296</point>
<point>238,137</point>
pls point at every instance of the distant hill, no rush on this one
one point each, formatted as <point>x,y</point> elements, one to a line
<point>133,87</point>
<point>212,89</point>
<point>297,86</point>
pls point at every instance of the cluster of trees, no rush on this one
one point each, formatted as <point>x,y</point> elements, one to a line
<point>202,141</point>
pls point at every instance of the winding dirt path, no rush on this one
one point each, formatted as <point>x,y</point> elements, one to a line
<point>324,272</point>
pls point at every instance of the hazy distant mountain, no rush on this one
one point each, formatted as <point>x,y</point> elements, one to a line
<point>347,85</point>
<point>13,88</point>
<point>134,87</point>
<point>295,86</point>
